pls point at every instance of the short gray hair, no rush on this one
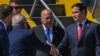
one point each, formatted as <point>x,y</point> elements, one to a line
<point>18,20</point>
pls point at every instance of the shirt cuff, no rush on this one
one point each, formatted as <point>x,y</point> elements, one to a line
<point>57,52</point>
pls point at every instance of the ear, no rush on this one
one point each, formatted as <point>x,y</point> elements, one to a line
<point>83,12</point>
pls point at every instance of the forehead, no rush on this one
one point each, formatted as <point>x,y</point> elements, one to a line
<point>75,8</point>
<point>46,13</point>
<point>14,4</point>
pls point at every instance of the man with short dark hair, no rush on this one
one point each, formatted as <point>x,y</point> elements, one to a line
<point>5,19</point>
<point>16,6</point>
<point>83,36</point>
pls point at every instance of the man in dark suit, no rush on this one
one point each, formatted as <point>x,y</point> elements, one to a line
<point>56,33</point>
<point>23,41</point>
<point>83,37</point>
<point>5,18</point>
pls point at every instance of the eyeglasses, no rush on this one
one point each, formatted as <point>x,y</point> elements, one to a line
<point>17,7</point>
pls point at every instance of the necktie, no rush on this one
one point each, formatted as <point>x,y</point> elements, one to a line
<point>79,31</point>
<point>48,35</point>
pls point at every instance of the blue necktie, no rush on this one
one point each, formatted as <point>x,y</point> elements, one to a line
<point>48,35</point>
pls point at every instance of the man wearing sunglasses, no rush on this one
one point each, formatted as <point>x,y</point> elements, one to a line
<point>16,6</point>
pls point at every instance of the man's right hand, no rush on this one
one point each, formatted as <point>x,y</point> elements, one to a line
<point>53,50</point>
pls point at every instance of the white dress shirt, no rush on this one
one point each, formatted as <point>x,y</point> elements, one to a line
<point>51,32</point>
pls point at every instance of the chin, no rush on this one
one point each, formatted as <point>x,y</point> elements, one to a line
<point>75,20</point>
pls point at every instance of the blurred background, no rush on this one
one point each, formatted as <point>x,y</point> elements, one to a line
<point>61,10</point>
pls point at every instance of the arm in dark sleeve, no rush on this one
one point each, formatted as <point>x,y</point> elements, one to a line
<point>4,41</point>
<point>64,43</point>
<point>36,43</point>
<point>98,40</point>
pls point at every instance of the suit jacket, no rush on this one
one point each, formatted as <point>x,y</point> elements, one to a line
<point>23,42</point>
<point>58,34</point>
<point>89,44</point>
<point>4,43</point>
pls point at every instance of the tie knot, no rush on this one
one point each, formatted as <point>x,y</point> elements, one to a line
<point>47,29</point>
<point>80,25</point>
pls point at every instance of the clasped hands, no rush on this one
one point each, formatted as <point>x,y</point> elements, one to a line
<point>53,50</point>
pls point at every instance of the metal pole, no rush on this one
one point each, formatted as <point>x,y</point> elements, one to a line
<point>94,6</point>
<point>33,7</point>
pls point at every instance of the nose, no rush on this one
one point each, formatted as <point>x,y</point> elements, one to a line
<point>73,15</point>
<point>49,19</point>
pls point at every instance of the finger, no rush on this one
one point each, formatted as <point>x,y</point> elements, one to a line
<point>48,43</point>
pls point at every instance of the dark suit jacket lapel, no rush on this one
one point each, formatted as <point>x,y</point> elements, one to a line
<point>42,33</point>
<point>85,29</point>
<point>54,31</point>
<point>74,32</point>
<point>4,39</point>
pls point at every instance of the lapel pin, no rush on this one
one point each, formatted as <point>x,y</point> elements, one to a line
<point>87,25</point>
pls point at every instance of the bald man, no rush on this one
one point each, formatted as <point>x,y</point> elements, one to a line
<point>56,33</point>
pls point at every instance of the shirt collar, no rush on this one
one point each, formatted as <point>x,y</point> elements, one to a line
<point>83,22</point>
<point>46,28</point>
<point>3,23</point>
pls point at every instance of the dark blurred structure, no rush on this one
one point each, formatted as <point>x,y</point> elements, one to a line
<point>88,2</point>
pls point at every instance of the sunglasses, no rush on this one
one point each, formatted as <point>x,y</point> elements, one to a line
<point>17,7</point>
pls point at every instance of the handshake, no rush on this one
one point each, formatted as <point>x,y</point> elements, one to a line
<point>53,50</point>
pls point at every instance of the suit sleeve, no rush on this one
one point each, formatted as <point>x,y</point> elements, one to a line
<point>98,40</point>
<point>64,43</point>
<point>4,41</point>
<point>37,44</point>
